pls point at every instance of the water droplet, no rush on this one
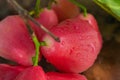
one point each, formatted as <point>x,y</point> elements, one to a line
<point>92,46</point>
<point>62,42</point>
<point>71,51</point>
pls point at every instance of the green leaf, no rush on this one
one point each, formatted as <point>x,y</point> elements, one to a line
<point>111,6</point>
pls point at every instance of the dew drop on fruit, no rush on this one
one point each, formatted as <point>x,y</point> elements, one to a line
<point>76,27</point>
<point>78,54</point>
<point>72,50</point>
<point>93,47</point>
<point>62,42</point>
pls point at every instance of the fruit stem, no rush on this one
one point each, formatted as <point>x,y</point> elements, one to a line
<point>80,5</point>
<point>37,46</point>
<point>24,13</point>
<point>37,8</point>
<point>50,3</point>
<point>35,59</point>
<point>36,42</point>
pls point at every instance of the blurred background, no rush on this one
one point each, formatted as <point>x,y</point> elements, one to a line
<point>107,65</point>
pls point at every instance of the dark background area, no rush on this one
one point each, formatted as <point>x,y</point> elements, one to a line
<point>107,65</point>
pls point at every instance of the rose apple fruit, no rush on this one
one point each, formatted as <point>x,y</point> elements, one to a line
<point>47,18</point>
<point>8,72</point>
<point>15,41</point>
<point>78,48</point>
<point>32,73</point>
<point>65,9</point>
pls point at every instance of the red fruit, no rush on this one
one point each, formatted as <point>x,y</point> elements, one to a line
<point>65,9</point>
<point>32,73</point>
<point>15,41</point>
<point>8,72</point>
<point>91,20</point>
<point>78,48</point>
<point>48,19</point>
<point>64,76</point>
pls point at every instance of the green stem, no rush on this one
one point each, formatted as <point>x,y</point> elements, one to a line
<point>25,15</point>
<point>50,3</point>
<point>81,6</point>
<point>37,8</point>
<point>37,46</point>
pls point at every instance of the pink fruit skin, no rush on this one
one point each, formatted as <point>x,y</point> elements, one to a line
<point>64,76</point>
<point>78,48</point>
<point>15,41</point>
<point>32,73</point>
<point>65,9</point>
<point>47,18</point>
<point>91,20</point>
<point>8,72</point>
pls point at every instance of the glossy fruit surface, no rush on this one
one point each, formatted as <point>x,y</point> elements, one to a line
<point>47,18</point>
<point>93,22</point>
<point>64,76</point>
<point>32,73</point>
<point>8,72</point>
<point>78,48</point>
<point>15,41</point>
